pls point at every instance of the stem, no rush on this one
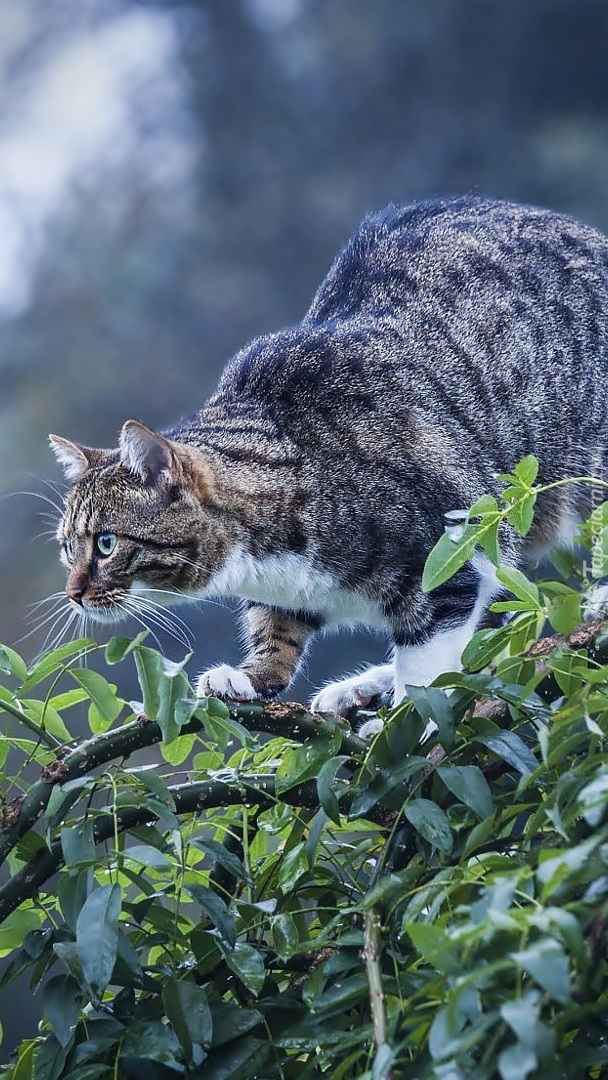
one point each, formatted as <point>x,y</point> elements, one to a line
<point>374,977</point>
<point>41,733</point>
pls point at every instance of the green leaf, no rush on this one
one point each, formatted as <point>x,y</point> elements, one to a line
<point>78,845</point>
<point>51,1059</point>
<point>47,718</point>
<point>61,1006</point>
<point>485,505</point>
<point>484,646</point>
<point>293,866</point>
<point>172,689</point>
<point>247,963</point>
<point>243,1059</point>
<point>547,963</point>
<point>15,928</point>
<point>97,936</point>
<point>101,693</point>
<point>227,859</point>
<point>521,513</point>
<point>384,782</point>
<point>53,661</point>
<point>519,585</point>
<point>526,470</point>
<point>150,1040</point>
<point>285,935</point>
<point>511,748</point>
<point>564,613</point>
<point>232,1021</point>
<point>431,822</point>
<point>447,557</point>
<point>215,909</point>
<point>118,647</point>
<point>59,702</point>
<point>434,945</point>
<point>433,705</point>
<point>148,856</point>
<point>516,1062</point>
<point>149,674</point>
<point>177,751</point>
<point>325,782</point>
<point>305,762</point>
<point>11,663</point>
<point>468,784</point>
<point>188,1012</point>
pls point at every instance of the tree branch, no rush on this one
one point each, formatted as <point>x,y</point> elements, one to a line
<point>285,718</point>
<point>258,789</point>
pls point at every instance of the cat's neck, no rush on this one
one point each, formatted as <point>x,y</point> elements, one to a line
<point>248,479</point>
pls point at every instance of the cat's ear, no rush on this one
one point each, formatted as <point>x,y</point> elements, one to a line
<point>75,460</point>
<point>147,455</point>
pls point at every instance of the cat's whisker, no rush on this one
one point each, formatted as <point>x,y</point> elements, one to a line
<point>56,486</point>
<point>192,562</point>
<point>159,618</point>
<point>50,534</point>
<point>37,495</point>
<point>167,613</point>
<point>129,612</point>
<point>46,600</point>
<point>147,609</point>
<point>56,617</point>
<point>45,619</point>
<point>62,633</point>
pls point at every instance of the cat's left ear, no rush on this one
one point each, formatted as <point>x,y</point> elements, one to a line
<point>74,459</point>
<point>147,454</point>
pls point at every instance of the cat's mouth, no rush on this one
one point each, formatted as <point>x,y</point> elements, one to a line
<point>106,610</point>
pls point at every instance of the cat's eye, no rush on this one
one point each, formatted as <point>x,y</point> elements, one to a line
<point>106,542</point>
<point>69,554</point>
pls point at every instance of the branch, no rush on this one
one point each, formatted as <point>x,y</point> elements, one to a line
<point>258,789</point>
<point>374,977</point>
<point>285,718</point>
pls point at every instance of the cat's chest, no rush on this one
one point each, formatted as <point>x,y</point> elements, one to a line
<point>290,581</point>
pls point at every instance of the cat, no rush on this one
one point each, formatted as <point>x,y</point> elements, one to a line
<point>449,339</point>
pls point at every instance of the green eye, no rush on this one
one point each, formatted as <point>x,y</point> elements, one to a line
<point>106,542</point>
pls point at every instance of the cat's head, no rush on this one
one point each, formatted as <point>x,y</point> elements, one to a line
<point>135,519</point>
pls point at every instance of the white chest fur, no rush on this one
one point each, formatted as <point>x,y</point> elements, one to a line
<point>290,581</point>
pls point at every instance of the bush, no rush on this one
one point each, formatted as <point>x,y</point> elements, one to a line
<point>308,904</point>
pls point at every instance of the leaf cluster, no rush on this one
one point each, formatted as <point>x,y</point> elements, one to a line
<point>271,897</point>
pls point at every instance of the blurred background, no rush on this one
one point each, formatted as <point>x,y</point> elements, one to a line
<point>175,179</point>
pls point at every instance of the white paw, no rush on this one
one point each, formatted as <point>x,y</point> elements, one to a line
<point>354,693</point>
<point>370,728</point>
<point>595,603</point>
<point>225,682</point>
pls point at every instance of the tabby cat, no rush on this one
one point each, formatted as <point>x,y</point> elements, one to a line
<point>449,339</point>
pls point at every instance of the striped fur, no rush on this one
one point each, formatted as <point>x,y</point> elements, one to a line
<point>449,339</point>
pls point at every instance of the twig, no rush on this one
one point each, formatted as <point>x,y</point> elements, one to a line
<point>370,956</point>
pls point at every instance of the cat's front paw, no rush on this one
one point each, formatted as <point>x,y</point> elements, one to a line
<point>224,681</point>
<point>354,693</point>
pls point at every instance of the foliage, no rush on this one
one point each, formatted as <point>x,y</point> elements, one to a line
<point>308,904</point>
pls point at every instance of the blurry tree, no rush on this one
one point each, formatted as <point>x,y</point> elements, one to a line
<point>220,153</point>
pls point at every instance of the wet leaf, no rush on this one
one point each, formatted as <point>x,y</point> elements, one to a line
<point>97,936</point>
<point>431,822</point>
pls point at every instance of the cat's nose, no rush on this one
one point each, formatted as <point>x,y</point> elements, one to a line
<point>76,587</point>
